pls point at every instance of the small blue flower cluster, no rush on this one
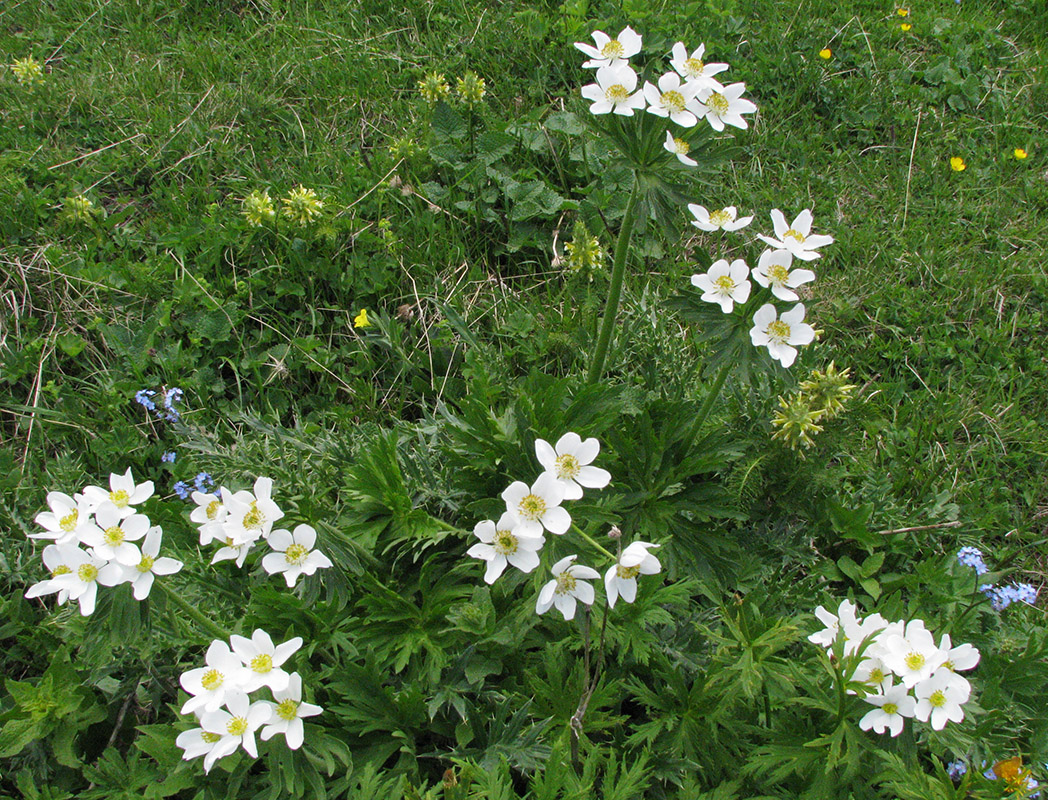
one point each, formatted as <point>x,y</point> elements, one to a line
<point>1000,596</point>
<point>956,769</point>
<point>972,557</point>
<point>201,483</point>
<point>144,397</point>
<point>167,458</point>
<point>1003,596</point>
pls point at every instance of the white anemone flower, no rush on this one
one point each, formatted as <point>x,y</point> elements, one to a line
<point>723,219</point>
<point>724,106</point>
<point>114,534</point>
<point>796,237</point>
<point>693,69</point>
<point>222,677</point>
<point>123,493</point>
<point>56,564</point>
<point>209,514</point>
<point>263,659</point>
<point>67,521</point>
<point>773,270</point>
<point>780,334</point>
<point>673,99</point>
<point>236,727</point>
<point>251,514</point>
<point>294,554</point>
<point>502,544</point>
<point>940,697</point>
<point>140,575</point>
<point>196,742</point>
<point>614,91</point>
<point>568,585</point>
<point>610,52</point>
<point>231,551</point>
<point>963,656</point>
<point>287,713</point>
<point>569,463</point>
<point>81,582</point>
<point>844,618</point>
<point>873,672</point>
<point>913,655</point>
<point>680,148</point>
<point>621,579</point>
<point>538,507</point>
<point>893,707</point>
<point>724,284</point>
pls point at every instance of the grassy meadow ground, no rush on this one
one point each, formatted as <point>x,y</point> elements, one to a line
<point>167,114</point>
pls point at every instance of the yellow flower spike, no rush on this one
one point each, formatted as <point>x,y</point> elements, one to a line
<point>1019,153</point>
<point>905,26</point>
<point>434,87</point>
<point>957,164</point>
<point>826,54</point>
<point>796,422</point>
<point>301,205</point>
<point>361,320</point>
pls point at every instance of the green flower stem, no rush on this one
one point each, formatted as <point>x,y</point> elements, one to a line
<point>618,270</point>
<point>211,627</point>
<point>707,406</point>
<point>594,542</point>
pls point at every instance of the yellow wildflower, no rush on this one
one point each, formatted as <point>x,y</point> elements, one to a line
<point>957,164</point>
<point>903,12</point>
<point>302,205</point>
<point>796,421</point>
<point>258,208</point>
<point>434,87</point>
<point>1019,153</point>
<point>471,88</point>
<point>906,26</point>
<point>28,70</point>
<point>78,208</point>
<point>826,54</point>
<point>361,320</point>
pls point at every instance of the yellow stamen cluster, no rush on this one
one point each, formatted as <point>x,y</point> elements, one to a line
<point>434,87</point>
<point>616,93</point>
<point>146,564</point>
<point>119,498</point>
<point>262,663</point>
<point>565,583</point>
<point>674,101</point>
<point>87,573</point>
<point>720,217</point>
<point>532,507</point>
<point>302,206</point>
<point>296,554</point>
<point>212,679</point>
<point>114,535</point>
<point>212,509</point>
<point>505,543</point>
<point>694,67</point>
<point>28,71</point>
<point>625,573</point>
<point>237,726</point>
<point>258,208</point>
<point>68,522</point>
<point>254,518</point>
<point>612,49</point>
<point>719,103</point>
<point>583,251</point>
<point>567,466</point>
<point>287,710</point>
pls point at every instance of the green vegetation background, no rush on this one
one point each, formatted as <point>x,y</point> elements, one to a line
<point>167,114</point>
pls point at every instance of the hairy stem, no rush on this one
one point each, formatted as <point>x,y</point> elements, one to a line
<point>707,406</point>
<point>618,271</point>
<point>208,625</point>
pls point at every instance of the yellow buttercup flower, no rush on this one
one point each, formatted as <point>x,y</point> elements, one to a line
<point>1019,153</point>
<point>957,164</point>
<point>903,12</point>
<point>361,320</point>
<point>826,54</point>
<point>906,26</point>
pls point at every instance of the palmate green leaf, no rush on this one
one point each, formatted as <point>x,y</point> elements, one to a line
<point>514,736</point>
